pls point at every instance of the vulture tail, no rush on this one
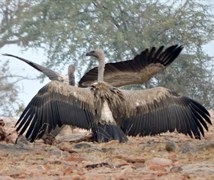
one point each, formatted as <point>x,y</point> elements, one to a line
<point>108,132</point>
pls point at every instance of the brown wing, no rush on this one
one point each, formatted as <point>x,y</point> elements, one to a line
<point>158,110</point>
<point>136,71</point>
<point>56,104</point>
<point>52,75</point>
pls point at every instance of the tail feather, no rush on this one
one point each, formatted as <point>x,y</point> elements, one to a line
<point>107,132</point>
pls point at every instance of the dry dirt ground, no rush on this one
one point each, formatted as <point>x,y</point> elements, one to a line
<point>168,156</point>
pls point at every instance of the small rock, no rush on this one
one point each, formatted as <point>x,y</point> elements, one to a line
<point>82,145</point>
<point>12,137</point>
<point>156,167</point>
<point>48,139</point>
<point>68,170</point>
<point>170,146</point>
<point>104,164</point>
<point>107,150</point>
<point>66,130</point>
<point>57,151</point>
<point>21,141</point>
<point>187,148</point>
<point>75,158</point>
<point>66,146</point>
<point>158,163</point>
<point>131,159</point>
<point>176,169</point>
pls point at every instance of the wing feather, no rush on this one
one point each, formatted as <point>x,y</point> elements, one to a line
<point>56,104</point>
<point>52,75</point>
<point>158,52</point>
<point>157,110</point>
<point>136,71</point>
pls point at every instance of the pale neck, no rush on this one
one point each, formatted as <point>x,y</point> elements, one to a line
<point>101,69</point>
<point>71,79</point>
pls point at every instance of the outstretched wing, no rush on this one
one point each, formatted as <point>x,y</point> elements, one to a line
<point>52,75</point>
<point>158,110</point>
<point>136,71</point>
<point>56,104</point>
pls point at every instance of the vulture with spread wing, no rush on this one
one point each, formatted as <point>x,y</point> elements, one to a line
<point>52,75</point>
<point>112,113</point>
<point>136,71</point>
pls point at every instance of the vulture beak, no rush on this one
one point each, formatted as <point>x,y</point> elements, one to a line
<point>92,53</point>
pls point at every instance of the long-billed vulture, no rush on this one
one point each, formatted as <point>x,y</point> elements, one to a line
<point>112,113</point>
<point>136,71</point>
<point>52,75</point>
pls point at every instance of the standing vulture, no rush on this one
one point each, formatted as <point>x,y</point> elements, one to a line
<point>112,113</point>
<point>52,75</point>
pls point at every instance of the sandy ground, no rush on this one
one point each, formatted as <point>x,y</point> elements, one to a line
<point>167,156</point>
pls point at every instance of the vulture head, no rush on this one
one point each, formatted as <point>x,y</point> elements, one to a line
<point>100,56</point>
<point>98,53</point>
<point>71,69</point>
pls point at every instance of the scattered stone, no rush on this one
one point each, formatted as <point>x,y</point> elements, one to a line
<point>53,150</point>
<point>107,149</point>
<point>21,141</point>
<point>12,137</point>
<point>48,139</point>
<point>131,159</point>
<point>66,130</point>
<point>176,169</point>
<point>66,146</point>
<point>170,146</point>
<point>156,167</point>
<point>157,164</point>
<point>103,164</point>
<point>187,148</point>
<point>75,158</point>
<point>78,135</point>
<point>82,145</point>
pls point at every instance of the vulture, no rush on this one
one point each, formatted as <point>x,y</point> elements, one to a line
<point>52,75</point>
<point>136,71</point>
<point>112,113</point>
